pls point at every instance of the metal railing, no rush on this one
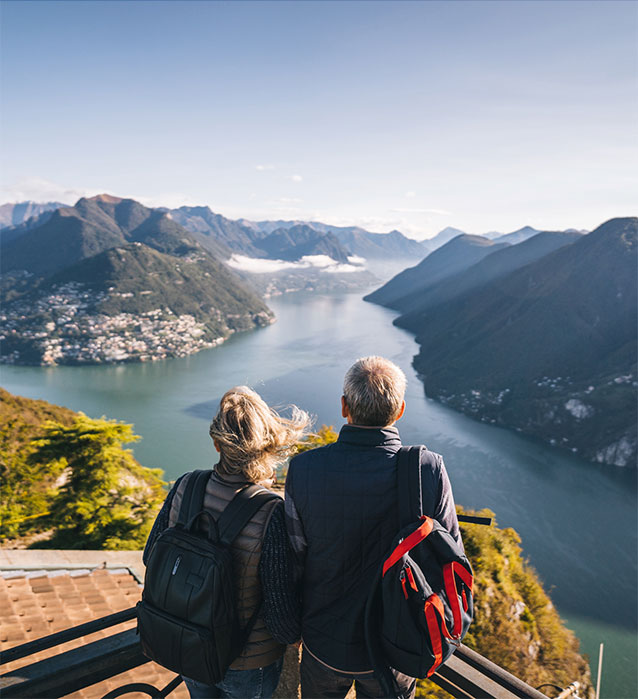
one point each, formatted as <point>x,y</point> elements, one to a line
<point>467,674</point>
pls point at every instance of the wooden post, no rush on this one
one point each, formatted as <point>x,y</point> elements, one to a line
<point>600,670</point>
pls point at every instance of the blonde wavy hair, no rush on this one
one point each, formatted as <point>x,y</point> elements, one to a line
<point>252,437</point>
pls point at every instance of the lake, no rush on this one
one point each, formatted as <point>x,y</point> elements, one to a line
<point>577,520</point>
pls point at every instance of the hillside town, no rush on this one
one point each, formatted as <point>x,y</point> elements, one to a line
<point>62,328</point>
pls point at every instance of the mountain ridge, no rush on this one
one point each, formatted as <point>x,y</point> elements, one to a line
<point>453,257</point>
<point>496,264</point>
<point>244,236</point>
<point>547,348</point>
<point>16,214</point>
<point>88,228</point>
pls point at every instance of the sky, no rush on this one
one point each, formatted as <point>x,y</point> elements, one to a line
<point>485,116</point>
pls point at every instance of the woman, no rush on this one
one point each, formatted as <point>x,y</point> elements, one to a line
<point>251,439</point>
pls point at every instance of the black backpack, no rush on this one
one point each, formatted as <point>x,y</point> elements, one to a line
<point>187,618</point>
<point>420,605</point>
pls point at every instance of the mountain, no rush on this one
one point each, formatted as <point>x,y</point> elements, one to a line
<point>111,280</point>
<point>13,232</point>
<point>299,241</point>
<point>497,264</point>
<point>16,214</point>
<point>218,234</point>
<point>251,237</point>
<point>455,256</point>
<point>549,349</point>
<point>582,231</point>
<point>357,240</point>
<point>523,234</point>
<point>137,279</point>
<point>263,228</point>
<point>517,236</point>
<point>129,303</point>
<point>442,237</point>
<point>392,245</point>
<point>373,245</point>
<point>88,228</point>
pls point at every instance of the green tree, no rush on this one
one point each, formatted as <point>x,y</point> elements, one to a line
<point>26,488</point>
<point>107,500</point>
<point>325,435</point>
<point>24,494</point>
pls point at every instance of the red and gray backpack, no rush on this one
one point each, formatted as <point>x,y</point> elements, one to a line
<point>420,605</point>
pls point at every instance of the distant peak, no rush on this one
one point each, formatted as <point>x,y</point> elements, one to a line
<point>106,198</point>
<point>471,238</point>
<point>196,209</point>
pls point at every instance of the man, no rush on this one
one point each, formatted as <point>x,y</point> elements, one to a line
<point>342,514</point>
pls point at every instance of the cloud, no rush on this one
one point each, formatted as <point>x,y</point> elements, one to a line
<point>356,260</point>
<point>262,168</point>
<point>338,269</point>
<point>169,200</point>
<point>296,178</point>
<point>259,266</point>
<point>42,190</point>
<point>320,262</point>
<point>410,195</point>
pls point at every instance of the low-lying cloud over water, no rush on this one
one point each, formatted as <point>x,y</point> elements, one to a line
<point>320,262</point>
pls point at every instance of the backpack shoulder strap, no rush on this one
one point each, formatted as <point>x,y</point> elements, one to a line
<point>236,515</point>
<point>193,497</point>
<point>409,485</point>
<point>372,621</point>
<point>241,509</point>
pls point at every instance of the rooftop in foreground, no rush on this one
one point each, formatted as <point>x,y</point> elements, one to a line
<point>43,592</point>
<point>45,595</point>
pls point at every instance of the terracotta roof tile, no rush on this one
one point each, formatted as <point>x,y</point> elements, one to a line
<point>82,591</point>
<point>36,603</point>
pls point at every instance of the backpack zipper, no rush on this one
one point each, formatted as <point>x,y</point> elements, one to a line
<point>402,578</point>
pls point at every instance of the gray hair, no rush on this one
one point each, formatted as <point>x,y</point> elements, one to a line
<point>373,389</point>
